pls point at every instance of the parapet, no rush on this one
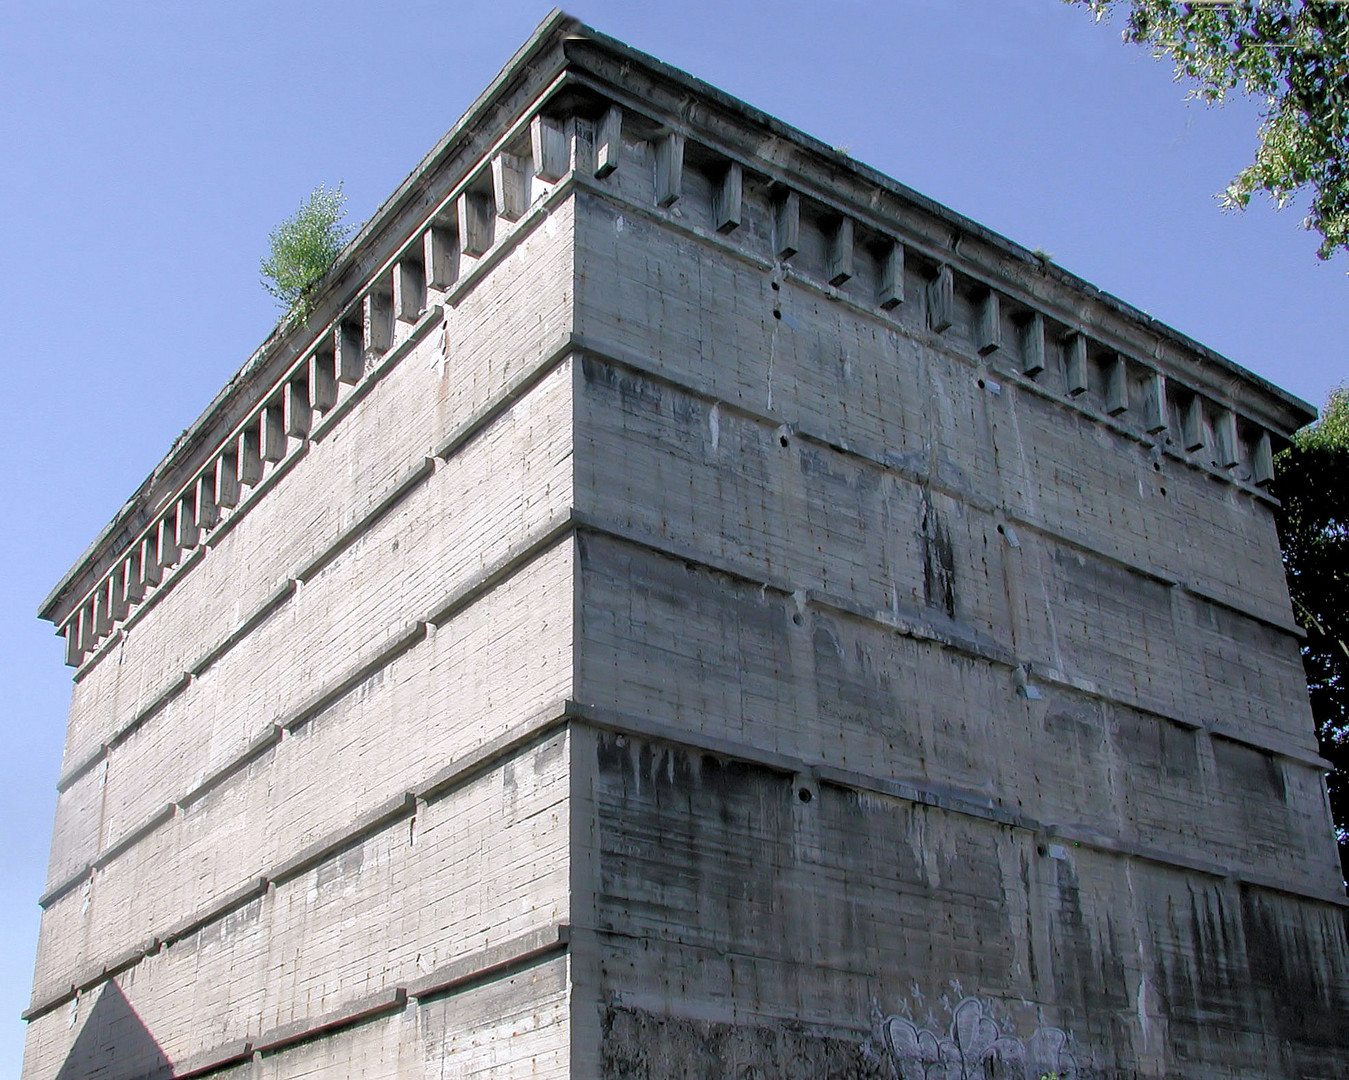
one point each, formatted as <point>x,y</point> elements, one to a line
<point>563,114</point>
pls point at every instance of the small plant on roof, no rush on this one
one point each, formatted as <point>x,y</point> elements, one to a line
<point>304,248</point>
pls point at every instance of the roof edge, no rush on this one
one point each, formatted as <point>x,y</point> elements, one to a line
<point>555,25</point>
<point>572,39</point>
<point>1297,407</point>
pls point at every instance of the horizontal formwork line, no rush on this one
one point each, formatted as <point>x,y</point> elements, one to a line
<point>428,320</point>
<point>534,546</point>
<point>180,572</point>
<point>432,317</point>
<point>415,632</point>
<point>921,629</point>
<point>937,342</point>
<point>411,479</point>
<point>486,965</point>
<point>617,356</point>
<point>511,744</point>
<point>952,800</point>
<point>948,799</point>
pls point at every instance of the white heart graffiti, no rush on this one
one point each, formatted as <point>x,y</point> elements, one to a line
<point>974,1047</point>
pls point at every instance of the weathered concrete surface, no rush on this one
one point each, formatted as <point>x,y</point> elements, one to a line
<point>690,606</point>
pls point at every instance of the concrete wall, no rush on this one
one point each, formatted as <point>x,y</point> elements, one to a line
<point>362,795</point>
<point>925,699</point>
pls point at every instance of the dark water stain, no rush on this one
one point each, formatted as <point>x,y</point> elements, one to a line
<point>939,564</point>
<point>1297,958</point>
<point>638,1045</point>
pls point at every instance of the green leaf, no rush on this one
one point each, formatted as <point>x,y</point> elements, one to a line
<point>1291,54</point>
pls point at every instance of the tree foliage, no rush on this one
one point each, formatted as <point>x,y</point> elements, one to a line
<point>1294,54</point>
<point>305,246</point>
<point>1312,482</point>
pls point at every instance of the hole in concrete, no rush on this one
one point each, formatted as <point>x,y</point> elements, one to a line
<point>782,439</point>
<point>776,287</point>
<point>1002,531</point>
<point>981,384</point>
<point>796,618</point>
<point>804,794</point>
<point>1156,466</point>
<point>777,314</point>
<point>1163,491</point>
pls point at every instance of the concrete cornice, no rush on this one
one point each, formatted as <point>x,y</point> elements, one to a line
<point>535,64</point>
<point>567,62</point>
<point>689,102</point>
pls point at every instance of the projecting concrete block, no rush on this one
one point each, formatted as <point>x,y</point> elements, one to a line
<point>787,226</point>
<point>409,289</point>
<point>510,185</point>
<point>249,452</point>
<point>117,599</point>
<point>477,222</point>
<point>133,575</point>
<point>728,202</point>
<point>186,533</point>
<point>839,261</point>
<point>1155,408</point>
<point>323,379</point>
<point>1033,345</point>
<point>349,352</point>
<point>149,558</point>
<point>988,329</point>
<point>548,143</point>
<point>1077,378</point>
<point>299,414</point>
<point>891,291</point>
<point>206,507</point>
<point>941,303</point>
<point>170,547</point>
<point>1193,436</point>
<point>272,430</point>
<point>440,254</point>
<point>609,141</point>
<point>1116,386</point>
<point>377,322</point>
<point>669,168</point>
<point>1227,442</point>
<point>1262,467</point>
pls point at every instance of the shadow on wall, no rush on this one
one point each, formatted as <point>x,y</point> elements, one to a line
<point>114,1044</point>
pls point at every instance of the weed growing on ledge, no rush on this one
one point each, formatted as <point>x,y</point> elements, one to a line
<point>304,248</point>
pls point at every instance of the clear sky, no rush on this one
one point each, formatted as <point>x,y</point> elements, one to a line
<point>148,148</point>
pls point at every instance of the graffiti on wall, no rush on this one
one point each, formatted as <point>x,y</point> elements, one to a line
<point>969,1041</point>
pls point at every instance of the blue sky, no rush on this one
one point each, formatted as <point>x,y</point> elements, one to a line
<point>147,150</point>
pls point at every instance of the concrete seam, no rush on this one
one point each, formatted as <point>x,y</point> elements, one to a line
<point>414,633</point>
<point>612,354</point>
<point>926,251</point>
<point>966,804</point>
<point>401,488</point>
<point>61,888</point>
<point>917,631</point>
<point>145,828</point>
<point>428,322</point>
<point>532,730</point>
<point>489,259</point>
<point>81,767</point>
<point>523,383</point>
<point>394,809</point>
